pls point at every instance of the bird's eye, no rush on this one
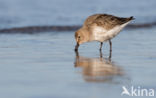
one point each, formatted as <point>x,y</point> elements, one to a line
<point>79,37</point>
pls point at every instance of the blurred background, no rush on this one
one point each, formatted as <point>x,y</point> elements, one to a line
<point>44,65</point>
<point>17,13</point>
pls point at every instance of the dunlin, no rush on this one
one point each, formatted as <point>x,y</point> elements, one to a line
<point>101,28</point>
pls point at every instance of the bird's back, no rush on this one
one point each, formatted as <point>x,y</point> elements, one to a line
<point>106,21</point>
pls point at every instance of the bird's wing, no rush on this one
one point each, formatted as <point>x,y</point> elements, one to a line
<point>106,21</point>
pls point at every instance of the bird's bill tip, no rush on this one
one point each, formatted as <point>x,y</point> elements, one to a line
<point>76,47</point>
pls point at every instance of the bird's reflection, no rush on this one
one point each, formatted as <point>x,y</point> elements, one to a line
<point>97,69</point>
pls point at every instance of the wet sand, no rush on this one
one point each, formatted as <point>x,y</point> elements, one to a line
<point>45,65</point>
<point>37,58</point>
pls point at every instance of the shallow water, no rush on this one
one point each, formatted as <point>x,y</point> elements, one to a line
<point>45,65</point>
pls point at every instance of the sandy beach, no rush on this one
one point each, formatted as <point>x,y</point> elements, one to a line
<point>44,65</point>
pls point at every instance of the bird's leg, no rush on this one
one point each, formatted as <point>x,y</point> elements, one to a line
<point>110,43</point>
<point>110,52</point>
<point>101,46</point>
<point>76,47</point>
<point>101,55</point>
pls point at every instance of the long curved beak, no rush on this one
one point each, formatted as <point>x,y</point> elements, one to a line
<point>76,47</point>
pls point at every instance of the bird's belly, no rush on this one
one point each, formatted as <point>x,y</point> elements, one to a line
<point>104,35</point>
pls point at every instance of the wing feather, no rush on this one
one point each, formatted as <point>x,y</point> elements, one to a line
<point>106,21</point>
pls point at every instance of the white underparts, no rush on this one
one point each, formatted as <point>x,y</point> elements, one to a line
<point>101,34</point>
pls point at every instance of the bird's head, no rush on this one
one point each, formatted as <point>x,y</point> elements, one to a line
<point>81,36</point>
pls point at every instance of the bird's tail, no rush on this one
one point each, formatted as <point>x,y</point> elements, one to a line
<point>131,18</point>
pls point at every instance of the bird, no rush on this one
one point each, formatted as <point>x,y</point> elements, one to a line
<point>101,28</point>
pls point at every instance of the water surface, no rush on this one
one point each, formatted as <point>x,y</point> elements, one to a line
<point>44,65</point>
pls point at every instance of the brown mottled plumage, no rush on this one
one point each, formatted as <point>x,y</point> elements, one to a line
<point>100,27</point>
<point>105,20</point>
